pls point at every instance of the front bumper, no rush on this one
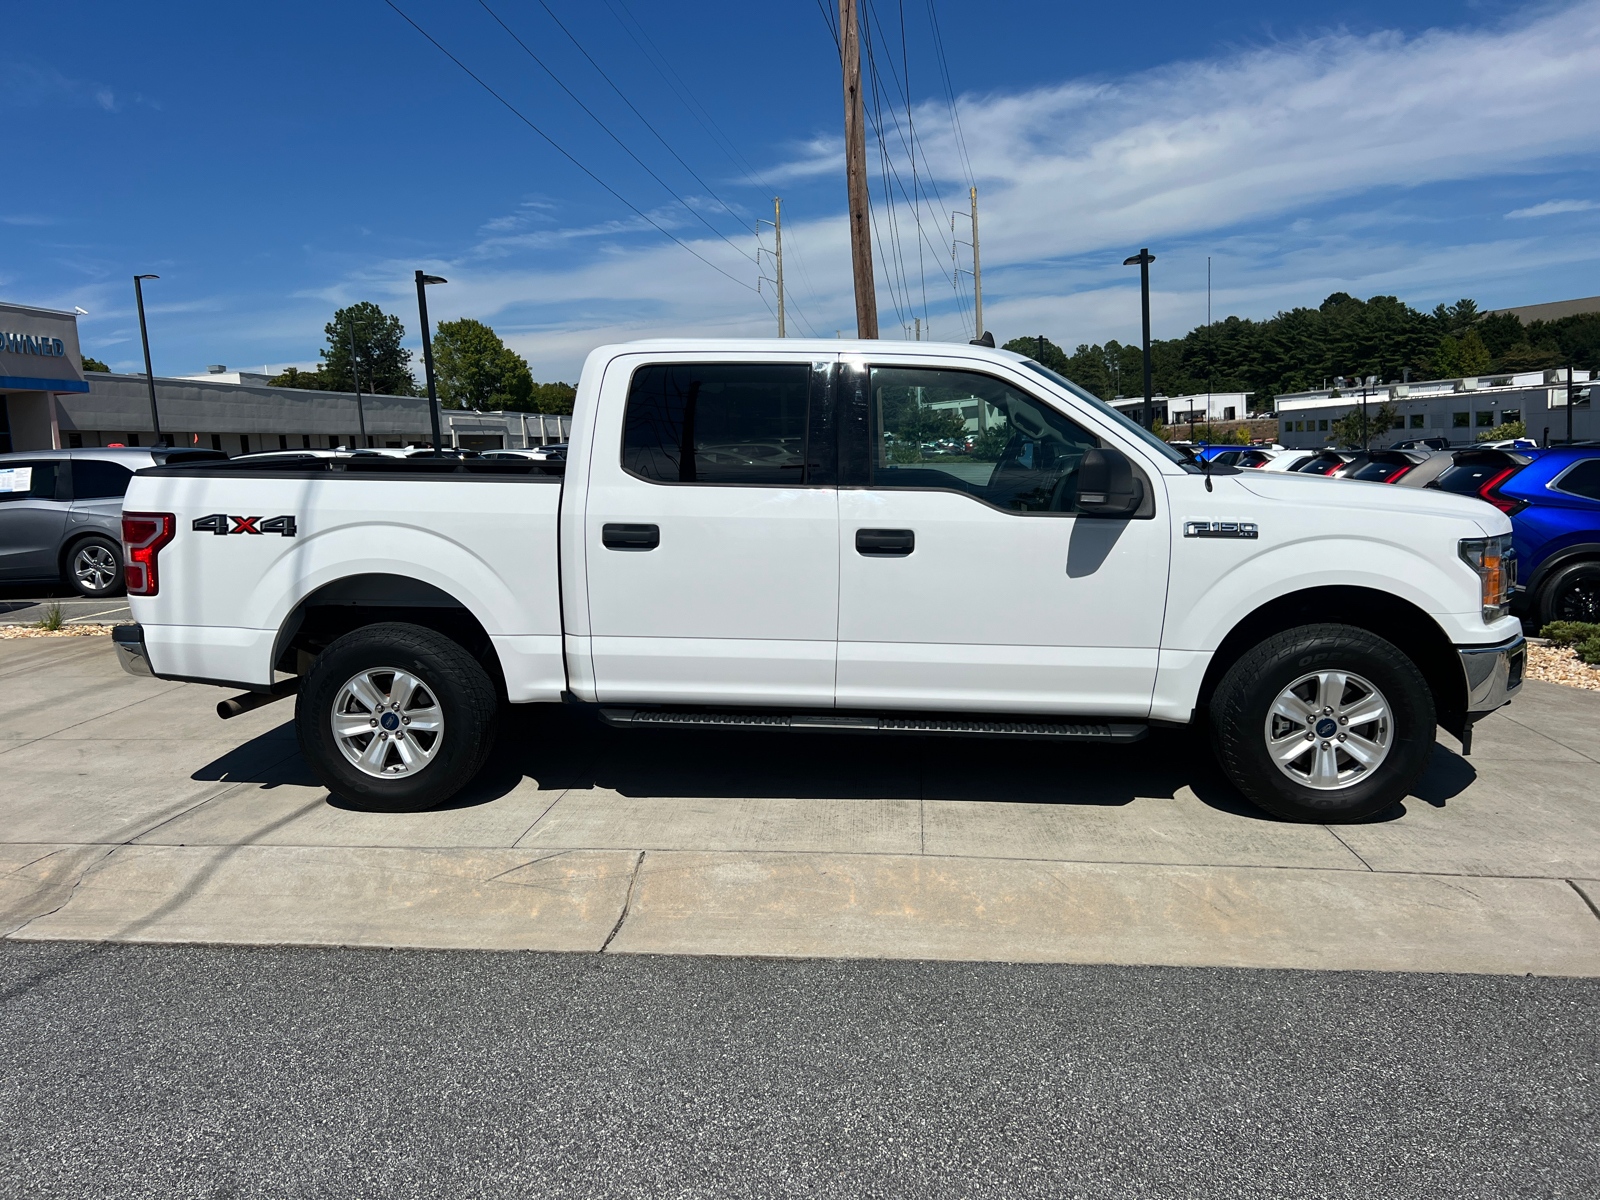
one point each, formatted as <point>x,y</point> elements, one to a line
<point>129,641</point>
<point>1493,674</point>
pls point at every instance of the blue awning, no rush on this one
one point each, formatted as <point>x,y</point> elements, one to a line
<point>22,383</point>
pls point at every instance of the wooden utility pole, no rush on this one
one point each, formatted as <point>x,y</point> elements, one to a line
<point>855,170</point>
<point>977,273</point>
<point>777,233</point>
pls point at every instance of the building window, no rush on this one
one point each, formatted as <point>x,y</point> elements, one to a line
<point>283,441</point>
<point>1299,426</point>
<point>305,441</point>
<point>1486,420</point>
<point>1460,420</point>
<point>1417,420</point>
<point>1322,425</point>
<point>1227,414</point>
<point>244,443</point>
<point>1399,423</point>
<point>74,441</point>
<point>1510,415</point>
<point>133,439</point>
<point>216,441</point>
<point>1288,426</point>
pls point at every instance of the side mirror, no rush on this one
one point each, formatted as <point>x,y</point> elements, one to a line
<point>1107,486</point>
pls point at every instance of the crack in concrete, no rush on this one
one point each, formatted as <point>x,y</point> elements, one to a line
<point>1585,897</point>
<point>627,903</point>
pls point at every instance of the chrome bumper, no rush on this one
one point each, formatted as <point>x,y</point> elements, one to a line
<point>129,641</point>
<point>1493,673</point>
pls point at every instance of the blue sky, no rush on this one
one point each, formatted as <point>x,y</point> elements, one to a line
<point>274,162</point>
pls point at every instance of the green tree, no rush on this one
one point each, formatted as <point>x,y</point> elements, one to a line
<point>293,377</point>
<point>1447,358</point>
<point>1354,429</point>
<point>1474,354</point>
<point>1043,351</point>
<point>1502,433</point>
<point>385,364</point>
<point>553,397</point>
<point>473,368</point>
<point>94,364</point>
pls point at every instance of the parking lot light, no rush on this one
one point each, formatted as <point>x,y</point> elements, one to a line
<point>144,336</point>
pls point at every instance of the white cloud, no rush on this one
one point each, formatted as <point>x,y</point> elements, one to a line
<point>1551,207</point>
<point>1254,157</point>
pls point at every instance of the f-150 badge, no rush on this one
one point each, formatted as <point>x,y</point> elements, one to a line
<point>222,525</point>
<point>1220,529</point>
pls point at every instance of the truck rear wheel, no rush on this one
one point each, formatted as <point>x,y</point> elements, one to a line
<point>395,717</point>
<point>1325,723</point>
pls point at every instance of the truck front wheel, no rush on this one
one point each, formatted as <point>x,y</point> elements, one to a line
<point>1325,723</point>
<point>395,717</point>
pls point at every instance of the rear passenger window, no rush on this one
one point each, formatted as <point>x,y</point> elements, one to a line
<point>717,423</point>
<point>1582,480</point>
<point>93,479</point>
<point>28,480</point>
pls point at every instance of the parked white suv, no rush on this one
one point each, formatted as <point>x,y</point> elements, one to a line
<point>1069,577</point>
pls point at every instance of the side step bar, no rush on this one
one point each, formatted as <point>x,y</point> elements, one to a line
<point>933,723</point>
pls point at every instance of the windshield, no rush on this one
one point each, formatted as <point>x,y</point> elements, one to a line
<point>1105,410</point>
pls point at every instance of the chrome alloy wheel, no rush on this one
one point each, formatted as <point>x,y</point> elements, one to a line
<point>387,722</point>
<point>95,567</point>
<point>1329,730</point>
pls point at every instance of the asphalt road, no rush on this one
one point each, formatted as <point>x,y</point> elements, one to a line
<point>24,604</point>
<point>199,1071</point>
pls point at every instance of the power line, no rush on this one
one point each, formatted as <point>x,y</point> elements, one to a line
<point>562,150</point>
<point>726,206</point>
<point>687,206</point>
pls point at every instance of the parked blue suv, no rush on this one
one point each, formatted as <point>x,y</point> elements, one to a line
<point>1553,499</point>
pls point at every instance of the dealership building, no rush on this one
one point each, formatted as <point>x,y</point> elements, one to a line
<point>1455,409</point>
<point>48,402</point>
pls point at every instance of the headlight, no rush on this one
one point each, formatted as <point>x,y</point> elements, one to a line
<point>1496,564</point>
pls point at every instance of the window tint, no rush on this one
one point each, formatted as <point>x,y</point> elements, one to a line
<point>1380,472</point>
<point>717,423</point>
<point>974,434</point>
<point>27,479</point>
<point>1105,410</point>
<point>93,479</point>
<point>1583,480</point>
<point>1465,478</point>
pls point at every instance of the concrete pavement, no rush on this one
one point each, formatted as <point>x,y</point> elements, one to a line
<point>129,812</point>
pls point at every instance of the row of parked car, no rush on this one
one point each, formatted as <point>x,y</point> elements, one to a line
<point>61,510</point>
<point>1551,494</point>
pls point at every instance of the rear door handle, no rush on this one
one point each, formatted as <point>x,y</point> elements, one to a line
<point>885,543</point>
<point>630,537</point>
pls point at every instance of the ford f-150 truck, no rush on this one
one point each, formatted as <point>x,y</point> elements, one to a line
<point>844,536</point>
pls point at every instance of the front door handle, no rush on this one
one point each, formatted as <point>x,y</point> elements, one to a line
<point>630,537</point>
<point>885,543</point>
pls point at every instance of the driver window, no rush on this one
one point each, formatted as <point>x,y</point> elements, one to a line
<point>972,433</point>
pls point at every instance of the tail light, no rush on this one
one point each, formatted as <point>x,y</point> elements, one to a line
<point>1506,504</point>
<point>1398,473</point>
<point>143,535</point>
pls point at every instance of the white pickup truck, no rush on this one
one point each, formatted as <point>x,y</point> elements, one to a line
<point>847,536</point>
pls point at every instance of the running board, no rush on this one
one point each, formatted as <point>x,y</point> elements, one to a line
<point>943,726</point>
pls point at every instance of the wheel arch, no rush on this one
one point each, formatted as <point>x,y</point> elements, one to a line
<point>1557,559</point>
<point>1390,617</point>
<point>352,602</point>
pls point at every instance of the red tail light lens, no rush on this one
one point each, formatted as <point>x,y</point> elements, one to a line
<point>1505,504</point>
<point>143,535</point>
<point>1397,474</point>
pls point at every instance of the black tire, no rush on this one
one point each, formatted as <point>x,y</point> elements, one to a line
<point>1572,593</point>
<point>91,561</point>
<point>1243,704</point>
<point>452,682</point>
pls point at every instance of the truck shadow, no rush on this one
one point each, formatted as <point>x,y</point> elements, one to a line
<point>564,749</point>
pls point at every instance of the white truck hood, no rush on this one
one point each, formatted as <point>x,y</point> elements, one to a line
<point>1354,494</point>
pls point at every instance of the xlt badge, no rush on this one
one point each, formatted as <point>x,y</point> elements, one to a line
<point>222,525</point>
<point>1220,529</point>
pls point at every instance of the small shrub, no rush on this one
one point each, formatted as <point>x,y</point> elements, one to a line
<point>1589,651</point>
<point>1504,433</point>
<point>1571,633</point>
<point>53,621</point>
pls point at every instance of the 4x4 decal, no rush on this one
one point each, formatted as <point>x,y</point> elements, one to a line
<point>219,523</point>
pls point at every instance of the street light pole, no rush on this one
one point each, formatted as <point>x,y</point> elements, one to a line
<point>355,370</point>
<point>144,336</point>
<point>1143,259</point>
<point>427,351</point>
